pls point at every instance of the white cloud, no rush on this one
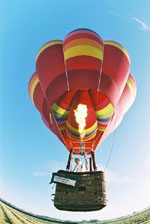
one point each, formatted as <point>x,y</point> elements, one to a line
<point>2,185</point>
<point>140,192</point>
<point>143,26</point>
<point>39,174</point>
<point>47,167</point>
<point>113,177</point>
<point>145,150</point>
<point>147,160</point>
<point>4,194</point>
<point>147,156</point>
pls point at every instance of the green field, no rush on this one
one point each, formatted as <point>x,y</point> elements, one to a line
<point>12,215</point>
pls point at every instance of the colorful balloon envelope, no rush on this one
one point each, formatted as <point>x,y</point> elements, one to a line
<point>82,87</point>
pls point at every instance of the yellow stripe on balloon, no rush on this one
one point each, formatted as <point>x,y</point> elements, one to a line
<point>87,131</point>
<point>78,138</point>
<point>34,84</point>
<point>51,43</point>
<point>115,44</point>
<point>85,50</point>
<point>60,111</point>
<point>131,86</point>
<point>100,128</point>
<point>62,128</point>
<point>89,138</point>
<point>106,112</point>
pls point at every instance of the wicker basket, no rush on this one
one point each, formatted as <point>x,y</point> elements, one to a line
<point>87,195</point>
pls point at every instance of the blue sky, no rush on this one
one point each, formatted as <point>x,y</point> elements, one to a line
<point>29,152</point>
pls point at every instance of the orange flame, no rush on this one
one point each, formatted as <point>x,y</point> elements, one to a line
<point>80,116</point>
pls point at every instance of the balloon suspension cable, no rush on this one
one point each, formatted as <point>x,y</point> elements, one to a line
<point>52,113</point>
<point>86,161</point>
<point>45,96</point>
<point>100,72</point>
<point>68,86</point>
<point>69,159</point>
<point>59,129</point>
<point>98,89</point>
<point>93,160</point>
<point>67,79</point>
<point>90,161</point>
<point>50,116</point>
<point>111,146</point>
<point>110,154</point>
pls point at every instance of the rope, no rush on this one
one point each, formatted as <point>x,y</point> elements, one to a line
<point>50,117</point>
<point>67,80</point>
<point>100,72</point>
<point>68,88</point>
<point>110,154</point>
<point>45,95</point>
<point>59,129</point>
<point>51,112</point>
<point>98,89</point>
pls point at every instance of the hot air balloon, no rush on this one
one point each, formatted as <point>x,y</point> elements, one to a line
<point>82,88</point>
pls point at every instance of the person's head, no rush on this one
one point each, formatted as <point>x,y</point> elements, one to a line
<point>77,160</point>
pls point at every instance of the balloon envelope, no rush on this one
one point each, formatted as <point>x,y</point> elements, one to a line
<point>82,87</point>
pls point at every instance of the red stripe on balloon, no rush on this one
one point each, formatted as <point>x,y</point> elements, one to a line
<point>83,62</point>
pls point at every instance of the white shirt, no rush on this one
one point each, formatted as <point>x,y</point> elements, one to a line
<point>79,167</point>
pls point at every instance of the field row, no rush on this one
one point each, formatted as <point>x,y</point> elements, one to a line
<point>12,216</point>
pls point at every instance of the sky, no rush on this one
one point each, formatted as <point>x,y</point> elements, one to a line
<point>29,152</point>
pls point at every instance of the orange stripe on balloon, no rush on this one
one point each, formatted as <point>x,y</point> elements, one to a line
<point>83,41</point>
<point>75,138</point>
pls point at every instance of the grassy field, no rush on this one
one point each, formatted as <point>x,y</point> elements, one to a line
<point>12,215</point>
